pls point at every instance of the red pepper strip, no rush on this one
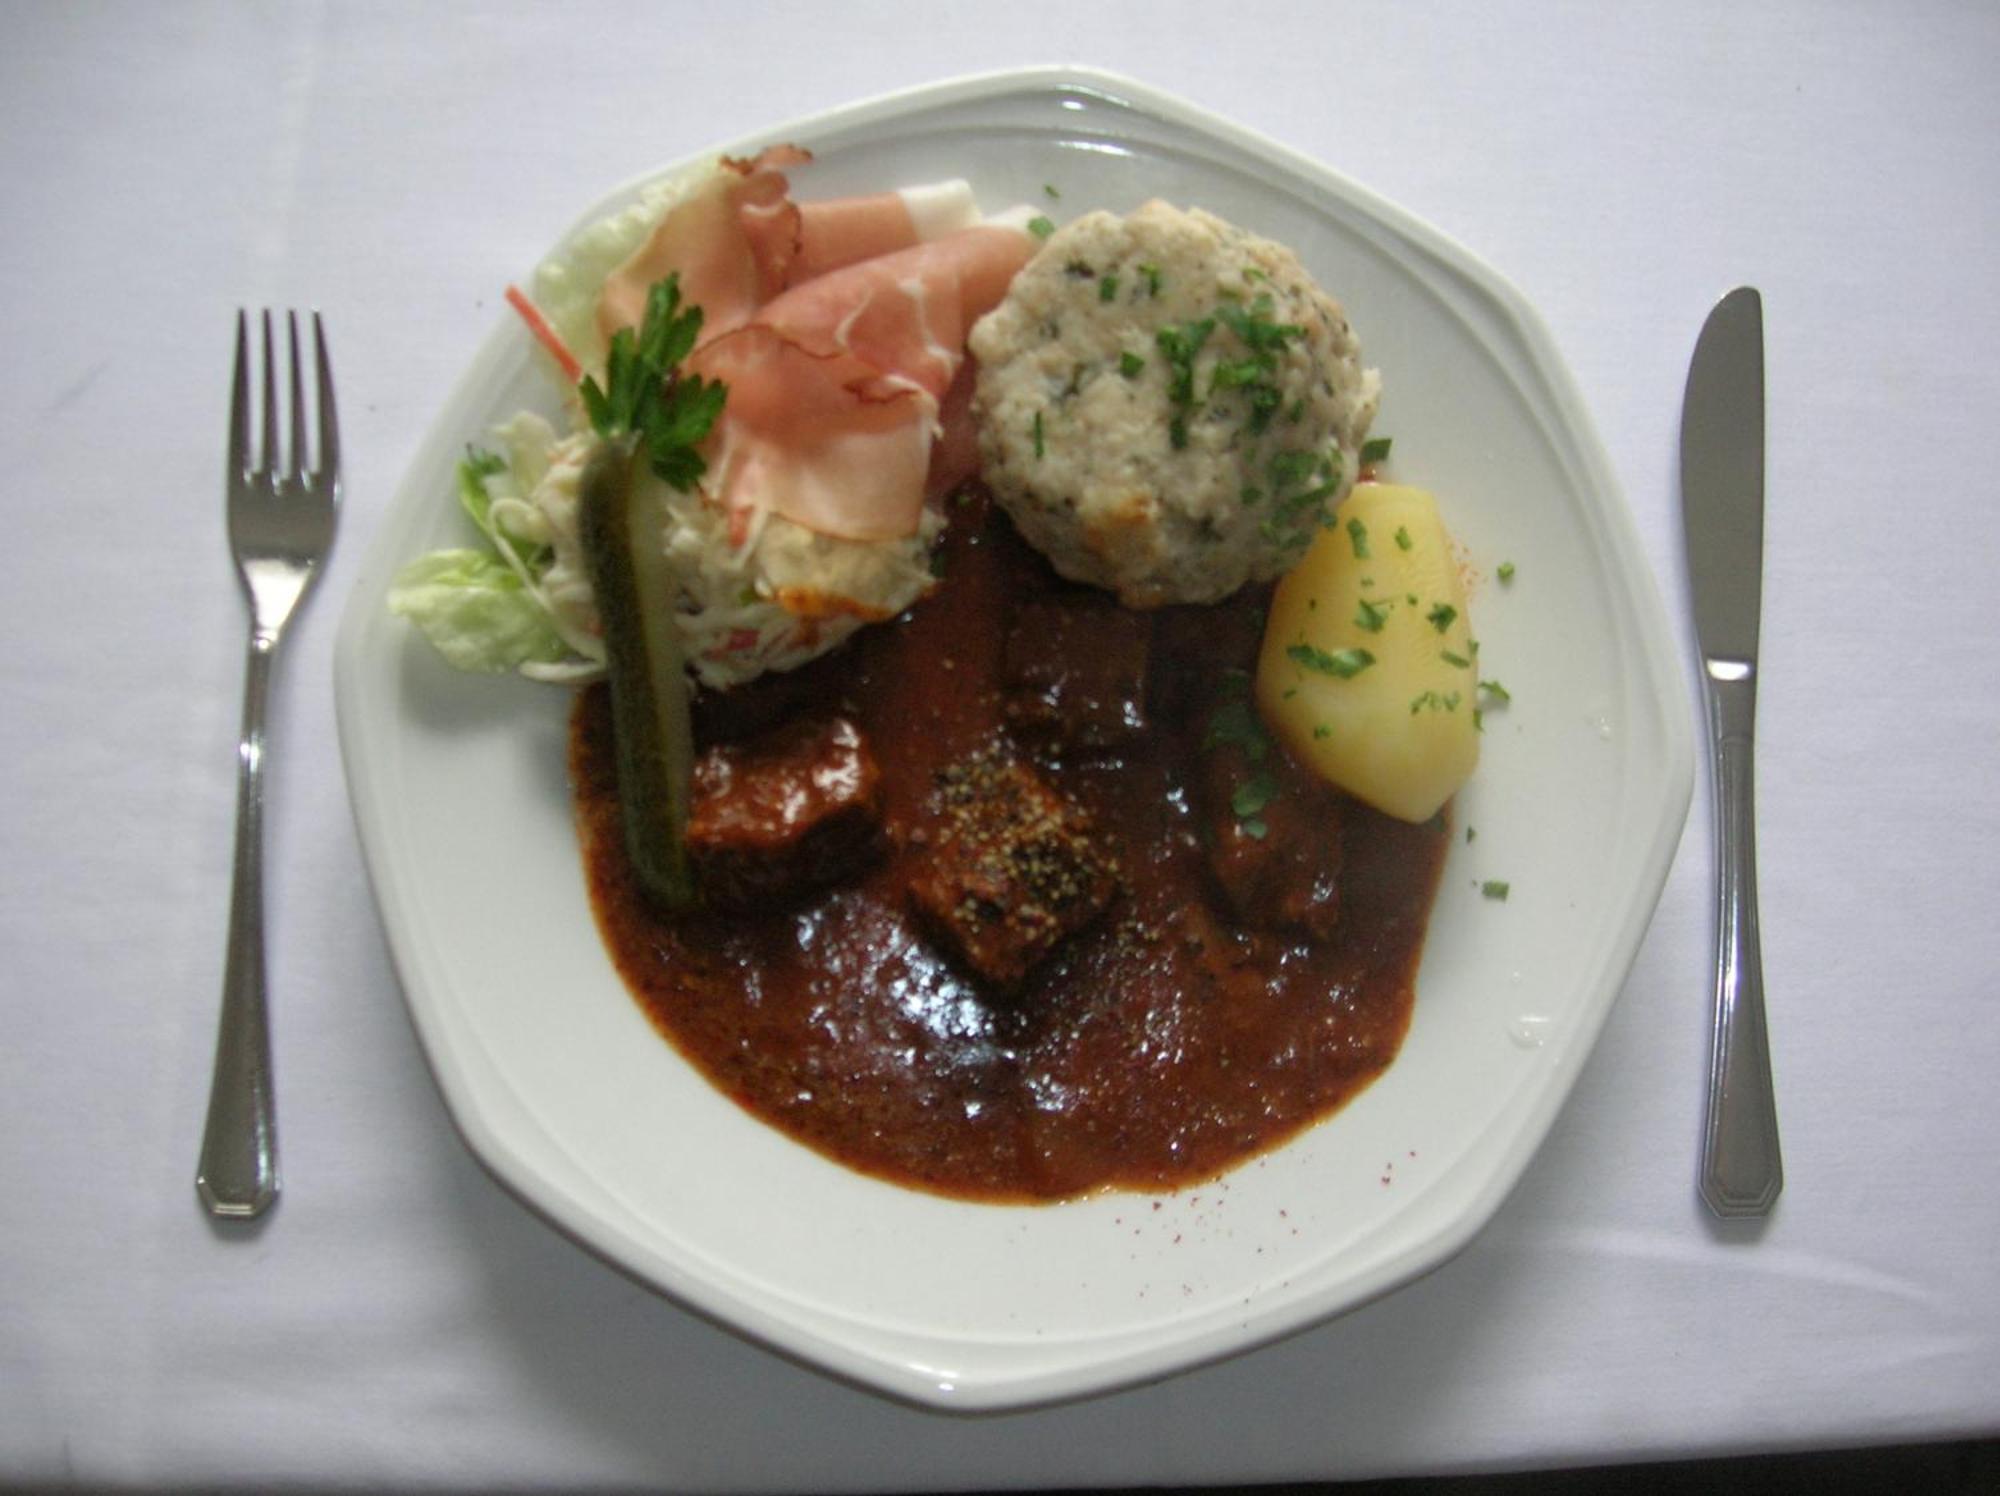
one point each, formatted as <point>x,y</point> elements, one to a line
<point>545,334</point>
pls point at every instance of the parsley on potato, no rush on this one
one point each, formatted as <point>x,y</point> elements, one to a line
<point>1367,666</point>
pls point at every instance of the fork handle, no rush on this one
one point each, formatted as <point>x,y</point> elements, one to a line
<point>1741,1168</point>
<point>238,1172</point>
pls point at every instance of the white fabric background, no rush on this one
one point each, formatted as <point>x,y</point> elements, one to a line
<point>400,1318</point>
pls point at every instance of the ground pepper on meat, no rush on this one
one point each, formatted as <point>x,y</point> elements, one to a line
<point>1016,867</point>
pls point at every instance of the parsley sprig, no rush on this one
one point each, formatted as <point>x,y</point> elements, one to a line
<point>645,395</point>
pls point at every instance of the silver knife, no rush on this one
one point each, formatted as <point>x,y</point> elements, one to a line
<point>1722,509</point>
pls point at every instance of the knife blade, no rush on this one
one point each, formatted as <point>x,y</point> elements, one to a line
<point>1722,477</point>
<point>1722,514</point>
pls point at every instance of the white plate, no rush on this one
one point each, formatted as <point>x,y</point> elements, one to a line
<point>564,1090</point>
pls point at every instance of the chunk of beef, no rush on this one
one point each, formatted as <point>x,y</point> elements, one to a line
<point>817,686</point>
<point>1074,674</point>
<point>1014,869</point>
<point>1273,837</point>
<point>794,808</point>
<point>1193,646</point>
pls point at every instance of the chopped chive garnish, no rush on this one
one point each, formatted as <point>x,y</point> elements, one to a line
<point>1180,345</point>
<point>1497,691</point>
<point>1107,288</point>
<point>1376,449</point>
<point>1506,571</point>
<point>1152,274</point>
<point>1041,227</point>
<point>1235,723</point>
<point>1049,188</point>
<point>1322,731</point>
<point>1253,794</point>
<point>1358,533</point>
<point>1403,541</point>
<point>1038,433</point>
<point>1236,373</point>
<point>1370,616</point>
<point>1129,364</point>
<point>1471,835</point>
<point>1255,327</point>
<point>1342,664</point>
<point>1256,829</point>
<point>1442,616</point>
<point>1493,888</point>
<point>1460,661</point>
<point>1291,468</point>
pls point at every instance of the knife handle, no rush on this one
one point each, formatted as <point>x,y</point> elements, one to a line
<point>1741,1172</point>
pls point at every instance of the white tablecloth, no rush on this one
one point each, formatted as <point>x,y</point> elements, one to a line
<point>399,1318</point>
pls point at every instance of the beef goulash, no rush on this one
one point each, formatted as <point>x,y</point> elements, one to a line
<point>1060,963</point>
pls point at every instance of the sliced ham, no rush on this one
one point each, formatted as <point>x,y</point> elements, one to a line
<point>738,240</point>
<point>712,238</point>
<point>837,385</point>
<point>839,328</point>
<point>847,230</point>
<point>815,438</point>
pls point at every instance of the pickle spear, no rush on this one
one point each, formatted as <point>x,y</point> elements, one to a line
<point>619,521</point>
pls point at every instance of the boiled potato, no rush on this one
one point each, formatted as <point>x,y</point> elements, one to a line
<point>1367,669</point>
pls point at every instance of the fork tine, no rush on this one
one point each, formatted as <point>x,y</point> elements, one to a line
<point>296,468</point>
<point>239,403</point>
<point>329,423</point>
<point>267,460</point>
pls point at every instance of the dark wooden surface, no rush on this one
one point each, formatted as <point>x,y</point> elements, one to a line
<point>1966,1468</point>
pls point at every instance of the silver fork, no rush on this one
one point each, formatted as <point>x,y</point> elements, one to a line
<point>281,522</point>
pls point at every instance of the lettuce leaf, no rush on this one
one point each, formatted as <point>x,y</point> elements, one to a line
<point>477,466</point>
<point>475,611</point>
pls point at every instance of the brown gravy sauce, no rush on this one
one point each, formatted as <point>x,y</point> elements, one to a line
<point>1156,1049</point>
